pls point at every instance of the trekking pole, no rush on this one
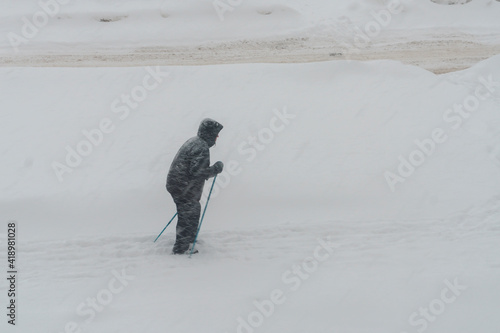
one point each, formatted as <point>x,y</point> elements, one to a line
<point>165,227</point>
<point>201,221</point>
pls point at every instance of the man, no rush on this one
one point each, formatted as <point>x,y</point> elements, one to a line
<point>186,178</point>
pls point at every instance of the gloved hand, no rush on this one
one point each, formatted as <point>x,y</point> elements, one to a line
<point>218,166</point>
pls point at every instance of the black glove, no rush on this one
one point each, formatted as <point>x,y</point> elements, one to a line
<point>218,167</point>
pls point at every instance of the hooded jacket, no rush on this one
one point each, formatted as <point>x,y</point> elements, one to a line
<point>191,166</point>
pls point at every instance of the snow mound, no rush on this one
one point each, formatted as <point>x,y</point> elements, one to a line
<point>341,128</point>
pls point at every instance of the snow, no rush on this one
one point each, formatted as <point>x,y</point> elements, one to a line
<point>91,33</point>
<point>129,24</point>
<point>321,175</point>
<point>333,153</point>
<point>303,232</point>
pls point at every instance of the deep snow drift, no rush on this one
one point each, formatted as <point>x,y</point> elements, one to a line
<point>326,136</point>
<point>311,146</point>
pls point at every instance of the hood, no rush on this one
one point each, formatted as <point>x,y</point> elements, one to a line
<point>208,131</point>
